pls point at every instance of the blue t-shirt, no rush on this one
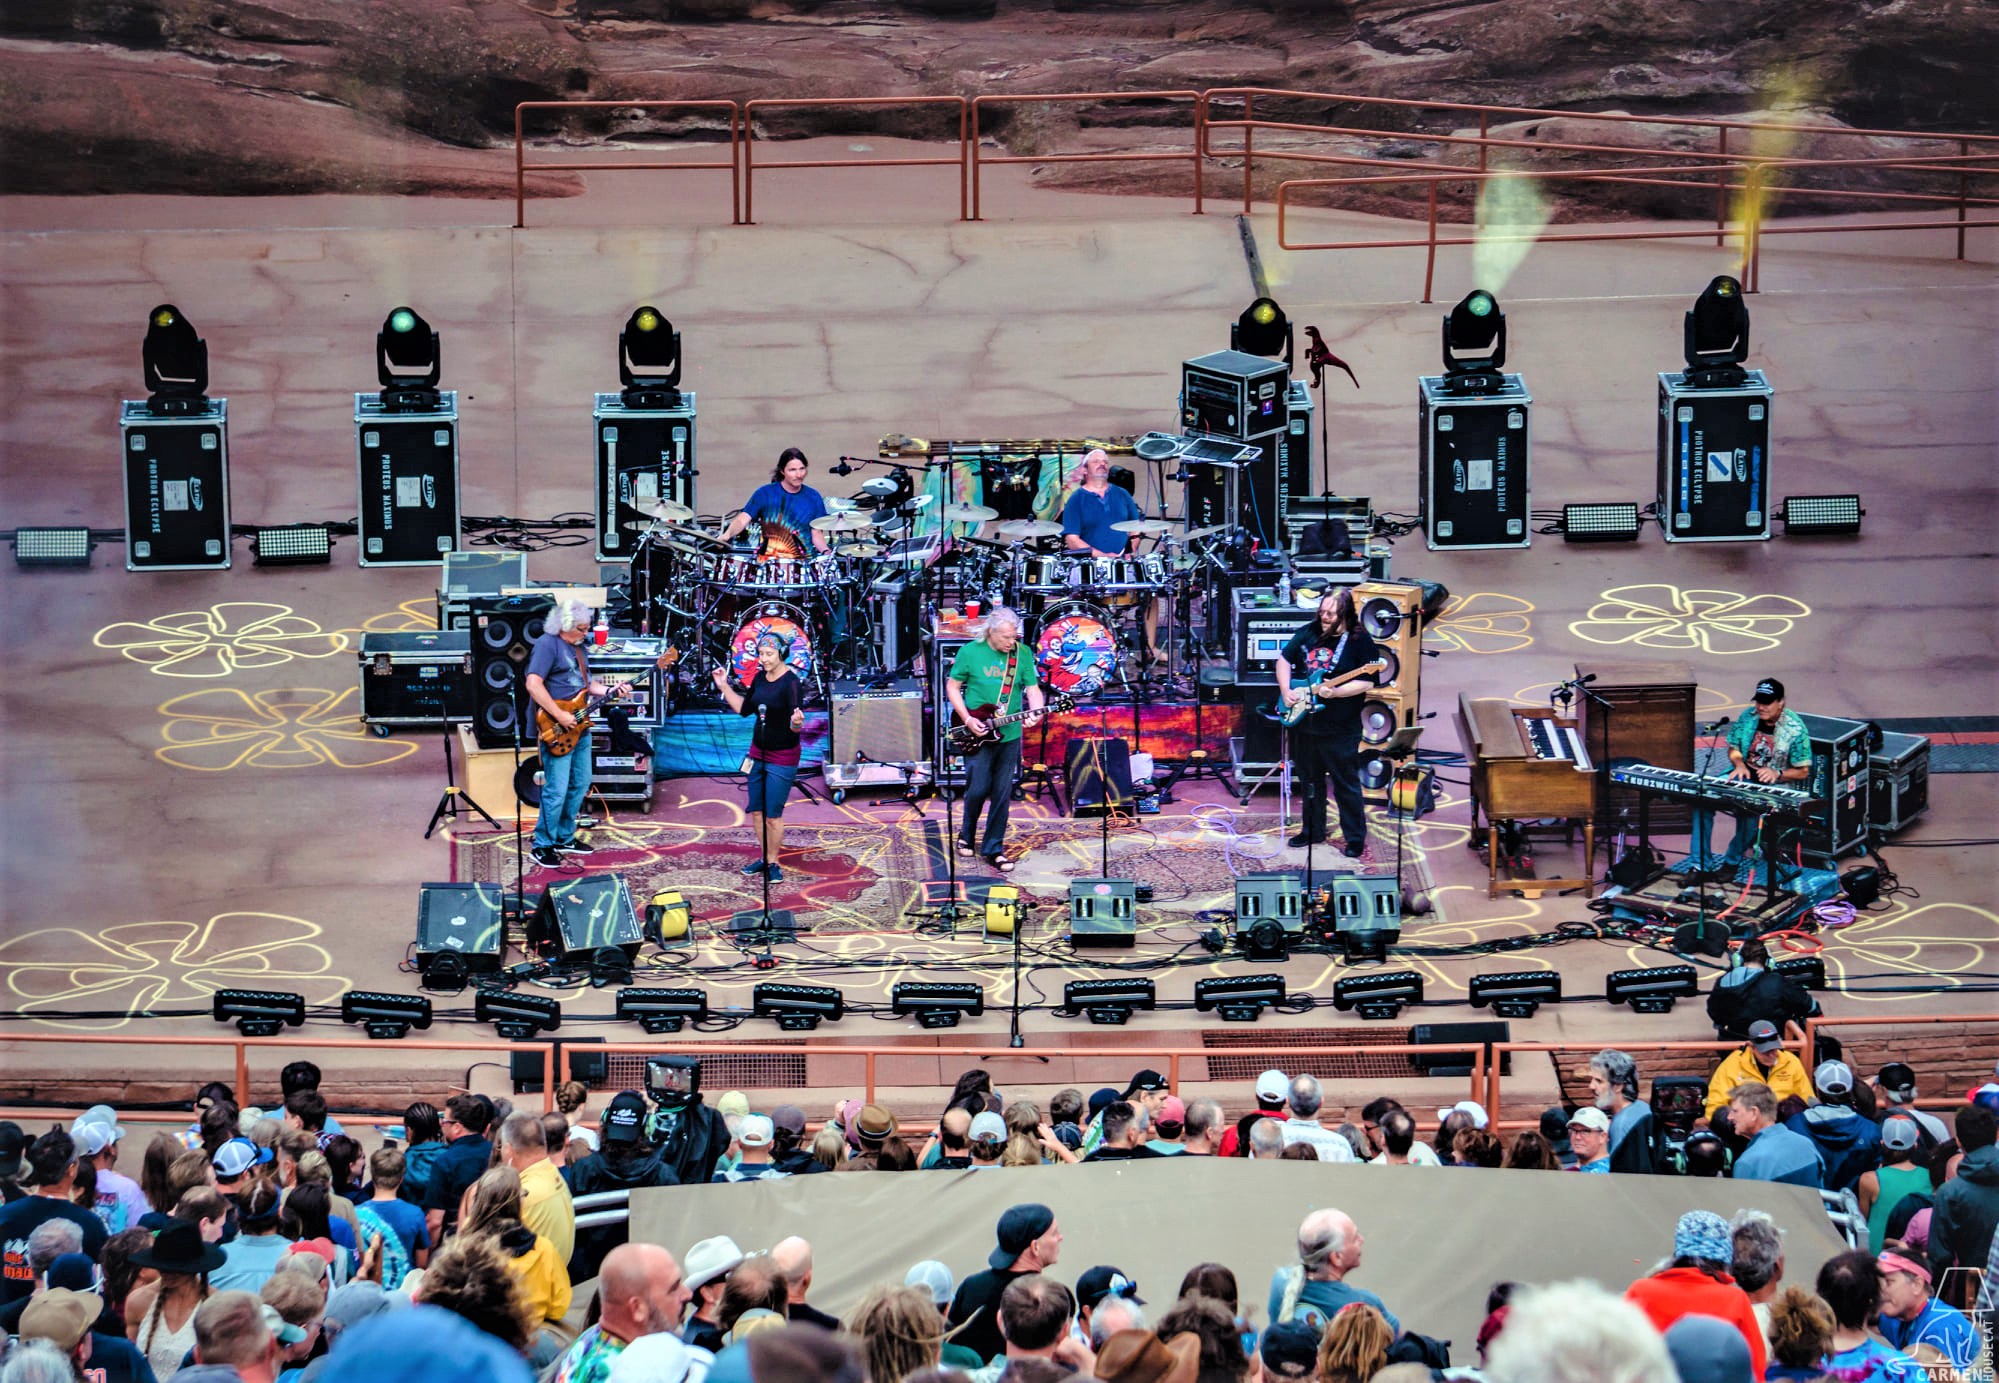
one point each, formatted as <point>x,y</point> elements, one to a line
<point>773,503</point>
<point>1943,1327</point>
<point>1089,517</point>
<point>1320,1301</point>
<point>22,1218</point>
<point>555,661</point>
<point>114,1359</point>
<point>248,1262</point>
<point>402,1217</point>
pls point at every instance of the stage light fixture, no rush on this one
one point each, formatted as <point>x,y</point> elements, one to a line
<point>52,547</point>
<point>1652,990</point>
<point>1378,996</point>
<point>259,1012</point>
<point>662,1010</point>
<point>407,362</point>
<point>937,1004</point>
<point>292,545</point>
<point>388,1016</point>
<point>1808,971</point>
<point>1716,337</point>
<point>1109,1001</point>
<point>1611,522</point>
<point>649,360</point>
<point>1263,329</point>
<point>516,1017</point>
<point>1475,337</point>
<point>1238,998</point>
<point>1516,993</point>
<point>798,1007</point>
<point>176,361</point>
<point>1806,516</point>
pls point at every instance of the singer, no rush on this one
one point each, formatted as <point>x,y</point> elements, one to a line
<point>773,698</point>
<point>1767,744</point>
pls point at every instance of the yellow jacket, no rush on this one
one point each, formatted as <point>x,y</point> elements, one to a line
<point>1787,1077</point>
<point>544,1278</point>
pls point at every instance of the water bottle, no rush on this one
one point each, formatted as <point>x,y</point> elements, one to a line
<point>1284,589</point>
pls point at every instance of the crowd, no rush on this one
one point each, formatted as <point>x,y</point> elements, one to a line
<point>255,1247</point>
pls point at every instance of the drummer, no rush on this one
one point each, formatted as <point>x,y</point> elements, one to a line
<point>1088,527</point>
<point>787,502</point>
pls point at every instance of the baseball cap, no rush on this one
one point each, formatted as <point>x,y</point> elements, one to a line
<point>1019,1226</point>
<point>874,1123</point>
<point>1139,1356</point>
<point>1290,1349</point>
<point>12,1143</point>
<point>236,1157</point>
<point>755,1132</point>
<point>91,1139</point>
<point>1105,1281</point>
<point>60,1315</point>
<point>1101,1097</point>
<point>99,1114</point>
<point>1899,1080</point>
<point>1272,1087</point>
<point>1833,1078</point>
<point>710,1259</point>
<point>934,1278</point>
<point>1764,1037</point>
<point>1768,690</point>
<point>1471,1107</point>
<point>1590,1117</point>
<point>284,1330</point>
<point>624,1118</point>
<point>1149,1080</point>
<point>74,1270</point>
<point>790,1118</point>
<point>732,1102</point>
<point>987,1127</point>
<point>1899,1134</point>
<point>1173,1111</point>
<point>422,1342</point>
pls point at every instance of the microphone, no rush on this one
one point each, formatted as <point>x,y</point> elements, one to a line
<point>841,467</point>
<point>1585,681</point>
<point>1716,726</point>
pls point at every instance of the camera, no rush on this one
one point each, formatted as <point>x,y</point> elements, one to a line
<point>672,1079</point>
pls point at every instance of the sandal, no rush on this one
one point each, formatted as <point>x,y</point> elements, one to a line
<point>965,851</point>
<point>1001,863</point>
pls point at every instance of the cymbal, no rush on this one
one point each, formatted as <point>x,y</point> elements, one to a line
<point>668,511</point>
<point>1210,531</point>
<point>859,550</point>
<point>688,534</point>
<point>1029,528</point>
<point>1144,528</point>
<point>915,502</point>
<point>842,523</point>
<point>839,504</point>
<point>968,513</point>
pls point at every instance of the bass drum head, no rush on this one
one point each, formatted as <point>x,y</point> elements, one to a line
<point>1378,721</point>
<point>1075,650</point>
<point>777,617</point>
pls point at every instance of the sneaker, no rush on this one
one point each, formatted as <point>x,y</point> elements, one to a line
<point>578,846</point>
<point>548,857</point>
<point>752,869</point>
<point>1304,838</point>
<point>776,875</point>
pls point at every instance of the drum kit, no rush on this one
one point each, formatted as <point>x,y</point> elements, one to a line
<point>721,598</point>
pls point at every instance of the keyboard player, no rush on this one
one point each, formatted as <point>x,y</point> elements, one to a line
<point>1766,744</point>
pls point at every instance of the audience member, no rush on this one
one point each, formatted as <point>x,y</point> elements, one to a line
<point>787,1151</point>
<point>899,1330</point>
<point>1034,1315</point>
<point>1266,1140</point>
<point>473,1278</point>
<point>1531,1152</point>
<point>1299,1152</point>
<point>1613,1083</point>
<point>1220,1358</point>
<point>1801,1329</point>
<point>115,1197</point>
<point>793,1257</point>
<point>50,1240</point>
<point>463,1161</point>
<point>640,1292</point>
<point>1576,1332</point>
<point>1706,1350</point>
<point>423,1131</point>
<point>755,1289</point>
<point>1895,1093</point>
<point>49,1175</point>
<point>1697,1282</point>
<point>1881,1189</point>
<point>159,1156</point>
<point>66,1318</point>
<point>303,1075</point>
<point>1169,1127</point>
<point>252,1256</point>
<point>1305,1098</point>
<point>494,1210</point>
<point>301,1304</point>
<point>1773,1151</point>
<point>1847,1141</point>
<point>1028,1242</point>
<point>1398,1141</point>
<point>709,1264</point>
<point>1589,1135</point>
<point>1555,1128</point>
<point>1476,1147</point>
<point>1103,1286</point>
<point>427,1342</point>
<point>1355,1347</point>
<point>209,1209</point>
<point>234,1342</point>
<point>118,1275</point>
<point>1967,1205</point>
<point>627,1162</point>
<point>307,1219</point>
<point>1850,1283</point>
<point>1123,1126</point>
<point>161,1314</point>
<point>401,1227</point>
<point>1758,1266</point>
<point>1288,1352</point>
<point>1315,1287</point>
<point>1202,1134</point>
<point>1911,1316</point>
<point>1273,1090</point>
<point>1761,1058</point>
<point>1140,1356</point>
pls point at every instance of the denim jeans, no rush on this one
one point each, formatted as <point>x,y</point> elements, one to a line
<point>564,782</point>
<point>770,784</point>
<point>1739,845</point>
<point>989,783</point>
<point>1338,757</point>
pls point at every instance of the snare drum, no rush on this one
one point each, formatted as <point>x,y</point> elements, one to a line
<point>778,617</point>
<point>1041,572</point>
<point>1074,648</point>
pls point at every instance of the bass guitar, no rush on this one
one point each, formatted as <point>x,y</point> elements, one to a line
<point>558,740</point>
<point>1293,714</point>
<point>965,740</point>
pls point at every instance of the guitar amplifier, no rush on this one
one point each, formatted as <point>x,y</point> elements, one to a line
<point>415,679</point>
<point>467,574</point>
<point>878,722</point>
<point>1262,627</point>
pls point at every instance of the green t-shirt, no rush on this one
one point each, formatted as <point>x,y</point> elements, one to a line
<point>980,671</point>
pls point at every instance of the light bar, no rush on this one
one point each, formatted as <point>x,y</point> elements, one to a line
<point>1516,993</point>
<point>52,547</point>
<point>1615,522</point>
<point>512,1013</point>
<point>798,1007</point>
<point>663,1010</point>
<point>937,1004</point>
<point>387,1016</point>
<point>292,545</point>
<point>259,1012</point>
<point>1238,998</point>
<point>1808,971</point>
<point>1653,989</point>
<point>1810,515</point>
<point>1380,995</point>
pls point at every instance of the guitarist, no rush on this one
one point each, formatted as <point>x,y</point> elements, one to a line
<point>1327,741</point>
<point>994,674</point>
<point>559,671</point>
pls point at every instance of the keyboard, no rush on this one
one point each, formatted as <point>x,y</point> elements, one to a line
<point>1732,795</point>
<point>1551,741</point>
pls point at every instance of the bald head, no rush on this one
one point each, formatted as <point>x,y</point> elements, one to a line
<point>954,1128</point>
<point>640,1291</point>
<point>793,1259</point>
<point>1329,1243</point>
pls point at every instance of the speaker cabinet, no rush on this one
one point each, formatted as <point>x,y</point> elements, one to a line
<point>585,914</point>
<point>1392,614</point>
<point>1098,773</point>
<point>504,629</point>
<point>462,920</point>
<point>1459,1034</point>
<point>1103,912</point>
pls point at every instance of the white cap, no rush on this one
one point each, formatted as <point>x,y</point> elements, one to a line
<point>1273,1087</point>
<point>99,1114</point>
<point>987,1126</point>
<point>934,1278</point>
<point>1471,1107</point>
<point>755,1131</point>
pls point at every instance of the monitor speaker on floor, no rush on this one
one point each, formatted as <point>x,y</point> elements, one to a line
<point>1098,773</point>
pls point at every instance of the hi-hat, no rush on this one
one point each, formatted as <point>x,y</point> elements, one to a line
<point>1029,528</point>
<point>859,550</point>
<point>1210,531</point>
<point>842,523</point>
<point>1144,528</point>
<point>968,513</point>
<point>687,535</point>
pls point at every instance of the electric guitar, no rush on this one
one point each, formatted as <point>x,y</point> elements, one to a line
<point>1293,714</point>
<point>558,741</point>
<point>965,740</point>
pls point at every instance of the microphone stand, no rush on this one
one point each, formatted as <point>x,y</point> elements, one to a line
<point>764,926</point>
<point>1013,1037</point>
<point>1701,869</point>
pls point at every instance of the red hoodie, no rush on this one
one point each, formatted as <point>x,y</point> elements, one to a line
<point>1677,1292</point>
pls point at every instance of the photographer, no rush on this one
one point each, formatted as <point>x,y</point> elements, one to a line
<point>626,1162</point>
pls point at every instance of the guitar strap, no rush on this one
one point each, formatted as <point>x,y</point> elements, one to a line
<point>1006,682</point>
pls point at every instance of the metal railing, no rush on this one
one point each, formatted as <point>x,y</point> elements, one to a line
<point>522,167</point>
<point>1193,155</point>
<point>751,109</point>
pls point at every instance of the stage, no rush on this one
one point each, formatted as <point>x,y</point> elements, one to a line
<point>191,803</point>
